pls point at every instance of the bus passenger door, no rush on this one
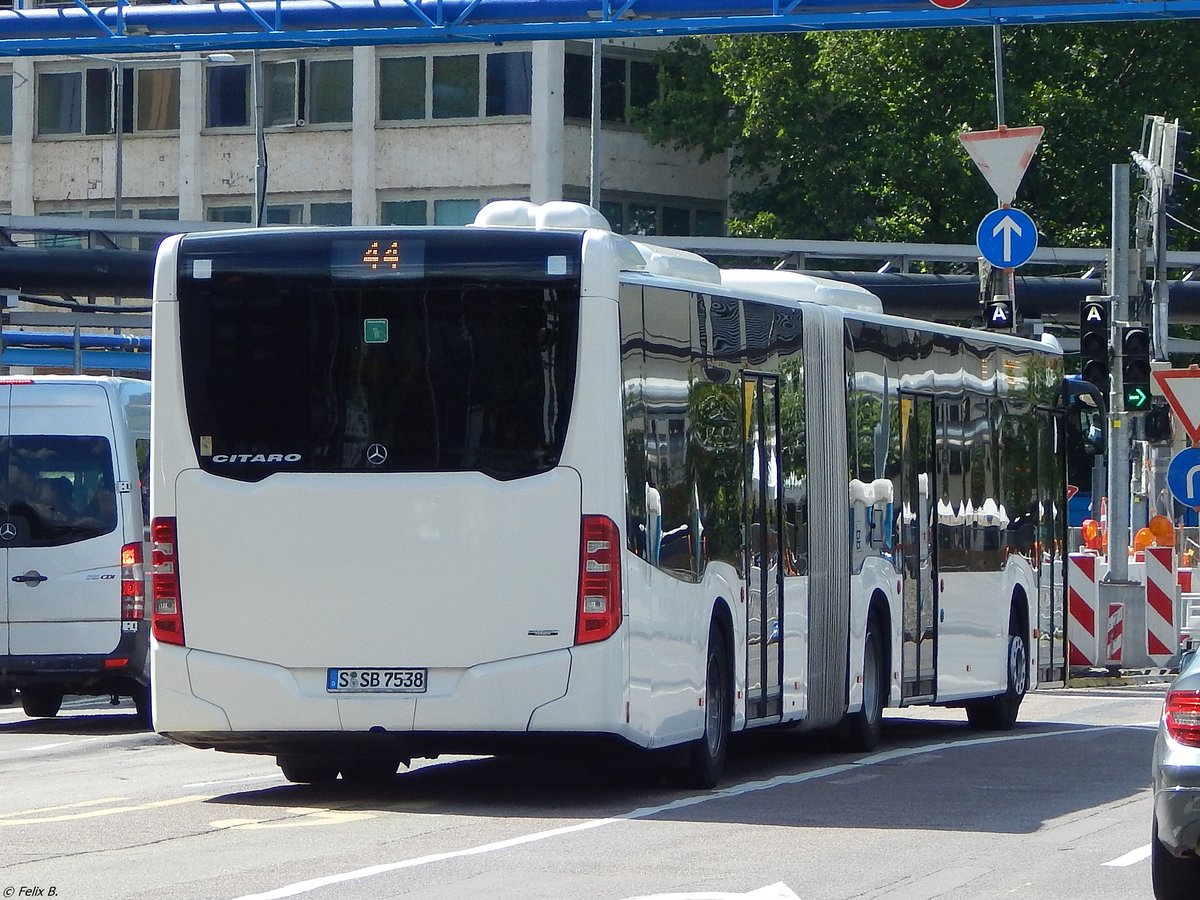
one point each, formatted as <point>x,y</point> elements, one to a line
<point>764,540</point>
<point>918,505</point>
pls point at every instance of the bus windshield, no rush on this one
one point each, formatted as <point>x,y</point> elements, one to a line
<point>299,369</point>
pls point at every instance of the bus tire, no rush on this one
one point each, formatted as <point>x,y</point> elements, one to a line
<point>706,757</point>
<point>141,703</point>
<point>999,713</point>
<point>861,730</point>
<point>307,769</point>
<point>41,702</point>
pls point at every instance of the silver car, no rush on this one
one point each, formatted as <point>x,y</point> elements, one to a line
<point>1175,840</point>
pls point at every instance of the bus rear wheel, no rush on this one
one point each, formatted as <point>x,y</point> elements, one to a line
<point>307,769</point>
<point>706,757</point>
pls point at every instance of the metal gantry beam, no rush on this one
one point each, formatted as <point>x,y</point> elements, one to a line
<point>124,27</point>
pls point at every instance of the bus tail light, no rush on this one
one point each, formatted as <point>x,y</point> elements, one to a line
<point>133,584</point>
<point>1182,710</point>
<point>167,617</point>
<point>599,611</point>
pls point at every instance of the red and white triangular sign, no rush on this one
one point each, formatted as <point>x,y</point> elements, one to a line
<point>1181,387</point>
<point>1003,156</point>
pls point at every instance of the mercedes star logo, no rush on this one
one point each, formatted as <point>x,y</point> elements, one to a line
<point>8,531</point>
<point>376,454</point>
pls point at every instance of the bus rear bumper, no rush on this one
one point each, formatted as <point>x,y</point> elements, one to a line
<point>201,693</point>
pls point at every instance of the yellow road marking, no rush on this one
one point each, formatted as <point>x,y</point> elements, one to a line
<point>307,817</point>
<point>34,819</point>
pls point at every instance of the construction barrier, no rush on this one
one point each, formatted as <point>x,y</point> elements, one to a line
<point>1083,610</point>
<point>1115,644</point>
<point>1162,627</point>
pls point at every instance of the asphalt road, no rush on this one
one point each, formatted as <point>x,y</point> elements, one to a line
<point>92,808</point>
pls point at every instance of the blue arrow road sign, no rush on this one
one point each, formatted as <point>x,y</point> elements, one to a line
<point>1006,237</point>
<point>1183,476</point>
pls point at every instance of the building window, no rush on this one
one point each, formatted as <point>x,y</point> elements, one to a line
<point>615,214</point>
<point>455,87</point>
<point>6,84</point>
<point>455,212</point>
<point>330,213</point>
<point>229,97</point>
<point>710,223</point>
<point>284,214</point>
<point>509,84</point>
<point>642,219</point>
<point>676,220</point>
<point>280,93</point>
<point>402,88</point>
<point>415,88</point>
<point>330,90</point>
<point>403,212</point>
<point>74,102</point>
<point>626,86</point>
<point>157,96</point>
<point>229,214</point>
<point>294,92</point>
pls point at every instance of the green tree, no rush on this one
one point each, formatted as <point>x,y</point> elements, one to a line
<point>854,135</point>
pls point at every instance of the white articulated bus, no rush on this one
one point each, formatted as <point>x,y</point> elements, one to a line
<point>435,490</point>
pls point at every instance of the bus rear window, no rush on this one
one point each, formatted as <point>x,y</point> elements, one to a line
<point>288,371</point>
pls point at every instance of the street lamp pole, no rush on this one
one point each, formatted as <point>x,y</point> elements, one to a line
<point>260,163</point>
<point>118,132</point>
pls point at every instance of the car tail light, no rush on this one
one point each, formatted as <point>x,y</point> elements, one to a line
<point>1182,712</point>
<point>599,611</point>
<point>167,617</point>
<point>133,584</point>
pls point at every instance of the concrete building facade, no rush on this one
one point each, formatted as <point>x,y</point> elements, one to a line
<point>362,136</point>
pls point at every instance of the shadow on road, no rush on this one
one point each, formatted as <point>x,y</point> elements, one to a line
<point>1014,783</point>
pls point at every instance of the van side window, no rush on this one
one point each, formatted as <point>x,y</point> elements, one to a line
<point>57,489</point>
<point>141,447</point>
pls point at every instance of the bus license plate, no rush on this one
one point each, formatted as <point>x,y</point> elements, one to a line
<point>377,681</point>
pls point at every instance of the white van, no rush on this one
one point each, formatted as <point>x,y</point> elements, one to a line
<point>74,466</point>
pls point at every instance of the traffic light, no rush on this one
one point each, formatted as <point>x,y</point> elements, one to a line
<point>1135,367</point>
<point>1093,342</point>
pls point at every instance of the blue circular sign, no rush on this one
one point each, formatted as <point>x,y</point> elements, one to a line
<point>1183,476</point>
<point>1006,237</point>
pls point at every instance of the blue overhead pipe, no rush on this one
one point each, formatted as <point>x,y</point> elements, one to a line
<point>92,360</point>
<point>67,339</point>
<point>174,27</point>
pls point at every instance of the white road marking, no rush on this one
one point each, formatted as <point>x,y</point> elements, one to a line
<point>278,776</point>
<point>1133,856</point>
<point>777,891</point>
<point>312,884</point>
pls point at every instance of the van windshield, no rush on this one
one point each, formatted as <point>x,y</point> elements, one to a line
<point>57,489</point>
<point>290,365</point>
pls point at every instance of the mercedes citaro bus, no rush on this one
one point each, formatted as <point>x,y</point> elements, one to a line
<point>484,489</point>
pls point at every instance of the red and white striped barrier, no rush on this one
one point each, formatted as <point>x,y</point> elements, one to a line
<point>1162,631</point>
<point>1083,610</point>
<point>1115,645</point>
